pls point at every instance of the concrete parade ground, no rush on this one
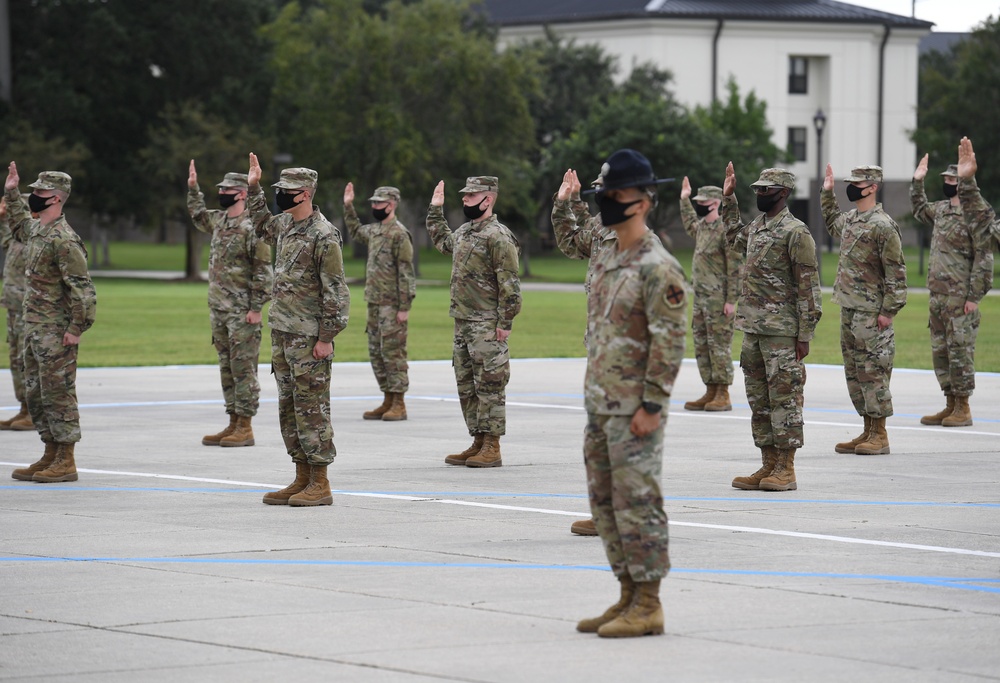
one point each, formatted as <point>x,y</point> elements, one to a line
<point>161,563</point>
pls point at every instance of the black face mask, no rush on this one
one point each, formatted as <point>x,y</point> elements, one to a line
<point>855,193</point>
<point>950,190</point>
<point>286,200</point>
<point>613,211</point>
<point>380,214</point>
<point>702,210</point>
<point>474,212</point>
<point>38,204</point>
<point>766,202</point>
<point>228,200</point>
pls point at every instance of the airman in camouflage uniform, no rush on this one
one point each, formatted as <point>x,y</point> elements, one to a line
<point>239,284</point>
<point>637,323</point>
<point>485,297</point>
<point>716,290</point>
<point>870,289</point>
<point>780,307</point>
<point>59,306</point>
<point>310,304</point>
<point>13,300</point>
<point>390,287</point>
<point>959,275</point>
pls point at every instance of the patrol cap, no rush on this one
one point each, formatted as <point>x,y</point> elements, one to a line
<point>295,178</point>
<point>775,177</point>
<point>708,193</point>
<point>862,173</point>
<point>628,168</point>
<point>53,180</point>
<point>481,183</point>
<point>952,171</point>
<point>237,180</point>
<point>385,194</point>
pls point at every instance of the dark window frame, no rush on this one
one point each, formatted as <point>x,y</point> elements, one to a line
<point>798,75</point>
<point>798,142</point>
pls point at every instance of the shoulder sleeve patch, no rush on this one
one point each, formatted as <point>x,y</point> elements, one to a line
<point>674,296</point>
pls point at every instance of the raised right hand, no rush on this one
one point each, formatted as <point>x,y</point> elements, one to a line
<point>685,188</point>
<point>253,175</point>
<point>566,188</point>
<point>729,186</point>
<point>192,176</point>
<point>437,199</point>
<point>828,179</point>
<point>12,178</point>
<point>921,171</point>
<point>349,194</point>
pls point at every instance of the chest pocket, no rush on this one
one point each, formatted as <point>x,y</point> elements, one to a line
<point>293,258</point>
<point>466,250</point>
<point>860,244</point>
<point>758,246</point>
<point>953,238</point>
<point>623,299</point>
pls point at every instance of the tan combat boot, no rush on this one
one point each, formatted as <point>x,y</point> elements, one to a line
<point>397,409</point>
<point>961,416</point>
<point>317,492</point>
<point>216,439</point>
<point>643,618</point>
<point>720,401</point>
<point>460,458</point>
<point>936,418</point>
<point>585,527</point>
<point>26,473</point>
<point>488,455</point>
<point>700,403</point>
<point>877,442</point>
<point>242,434</point>
<point>63,468</point>
<point>624,602</point>
<point>783,476</point>
<point>20,422</point>
<point>849,446</point>
<point>768,458</point>
<point>301,481</point>
<point>380,411</point>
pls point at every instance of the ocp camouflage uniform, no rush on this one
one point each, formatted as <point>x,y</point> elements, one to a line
<point>871,281</point>
<point>390,287</point>
<point>637,325</point>
<point>780,304</point>
<point>239,280</point>
<point>13,300</point>
<point>59,298</point>
<point>716,274</point>
<point>485,296</point>
<point>310,302</point>
<point>960,269</point>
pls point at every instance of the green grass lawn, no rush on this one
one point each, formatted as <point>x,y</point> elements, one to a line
<point>141,322</point>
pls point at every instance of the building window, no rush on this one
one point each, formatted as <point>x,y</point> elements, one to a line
<point>797,142</point>
<point>798,75</point>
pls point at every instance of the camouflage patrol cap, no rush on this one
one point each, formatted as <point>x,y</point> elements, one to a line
<point>53,180</point>
<point>386,193</point>
<point>295,178</point>
<point>862,173</point>
<point>952,171</point>
<point>775,177</point>
<point>237,180</point>
<point>481,183</point>
<point>707,193</point>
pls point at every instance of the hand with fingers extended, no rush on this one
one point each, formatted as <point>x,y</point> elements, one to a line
<point>730,185</point>
<point>349,194</point>
<point>192,175</point>
<point>921,171</point>
<point>566,188</point>
<point>253,175</point>
<point>437,199</point>
<point>685,188</point>
<point>967,165</point>
<point>828,182</point>
<point>12,178</point>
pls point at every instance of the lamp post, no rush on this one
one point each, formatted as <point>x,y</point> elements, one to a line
<point>819,122</point>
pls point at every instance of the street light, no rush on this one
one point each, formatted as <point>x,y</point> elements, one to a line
<point>819,122</point>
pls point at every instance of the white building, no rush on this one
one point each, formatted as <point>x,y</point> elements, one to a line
<point>858,66</point>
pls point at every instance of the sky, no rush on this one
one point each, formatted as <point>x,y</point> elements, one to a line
<point>948,15</point>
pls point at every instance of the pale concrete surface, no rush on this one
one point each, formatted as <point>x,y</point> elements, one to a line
<point>161,564</point>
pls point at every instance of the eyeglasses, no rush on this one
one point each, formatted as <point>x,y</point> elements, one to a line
<point>770,189</point>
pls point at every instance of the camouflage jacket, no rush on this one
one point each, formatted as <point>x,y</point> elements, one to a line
<point>389,278</point>
<point>57,288</point>
<point>781,296</point>
<point>310,296</point>
<point>579,235</point>
<point>871,273</point>
<point>484,266</point>
<point>716,268</point>
<point>961,255</point>
<point>239,268</point>
<point>12,297</point>
<point>637,322</point>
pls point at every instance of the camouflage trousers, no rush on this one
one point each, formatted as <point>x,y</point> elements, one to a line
<point>238,344</point>
<point>868,355</point>
<point>15,343</point>
<point>774,383</point>
<point>50,383</point>
<point>482,370</point>
<point>303,398</point>
<point>713,344</point>
<point>387,349</point>
<point>623,480</point>
<point>953,344</point>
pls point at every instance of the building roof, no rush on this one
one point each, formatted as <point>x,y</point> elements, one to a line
<point>527,12</point>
